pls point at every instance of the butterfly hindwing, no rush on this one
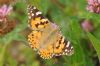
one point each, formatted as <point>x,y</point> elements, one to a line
<point>46,50</point>
<point>62,47</point>
<point>55,45</point>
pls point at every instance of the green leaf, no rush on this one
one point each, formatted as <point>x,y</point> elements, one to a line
<point>95,43</point>
<point>79,55</point>
<point>2,54</point>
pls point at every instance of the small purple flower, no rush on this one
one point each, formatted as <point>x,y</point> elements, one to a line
<point>87,25</point>
<point>6,25</point>
<point>5,10</point>
<point>94,6</point>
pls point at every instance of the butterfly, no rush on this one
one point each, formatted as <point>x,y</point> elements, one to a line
<point>45,37</point>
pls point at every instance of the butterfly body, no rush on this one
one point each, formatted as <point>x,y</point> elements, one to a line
<point>46,37</point>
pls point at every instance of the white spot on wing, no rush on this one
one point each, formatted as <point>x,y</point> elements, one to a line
<point>66,50</point>
<point>28,25</point>
<point>63,53</point>
<point>71,47</point>
<point>66,54</point>
<point>34,8</point>
<point>29,17</point>
<point>68,44</point>
<point>37,13</point>
<point>32,14</point>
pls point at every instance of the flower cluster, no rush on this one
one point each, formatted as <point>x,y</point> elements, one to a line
<point>6,25</point>
<point>87,25</point>
<point>5,10</point>
<point>93,6</point>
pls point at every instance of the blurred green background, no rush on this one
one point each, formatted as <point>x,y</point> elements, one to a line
<point>69,16</point>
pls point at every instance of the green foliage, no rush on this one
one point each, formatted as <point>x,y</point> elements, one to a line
<point>95,42</point>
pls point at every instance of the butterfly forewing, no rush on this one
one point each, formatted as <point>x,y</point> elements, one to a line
<point>36,20</point>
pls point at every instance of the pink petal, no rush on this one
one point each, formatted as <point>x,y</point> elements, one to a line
<point>5,10</point>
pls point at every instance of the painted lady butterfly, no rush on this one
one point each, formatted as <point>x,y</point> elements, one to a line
<point>46,37</point>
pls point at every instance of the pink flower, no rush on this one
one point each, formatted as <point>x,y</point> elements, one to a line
<point>5,10</point>
<point>87,25</point>
<point>93,6</point>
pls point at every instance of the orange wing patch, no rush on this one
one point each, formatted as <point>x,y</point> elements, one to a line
<point>33,39</point>
<point>63,47</point>
<point>58,49</point>
<point>38,23</point>
<point>46,53</point>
